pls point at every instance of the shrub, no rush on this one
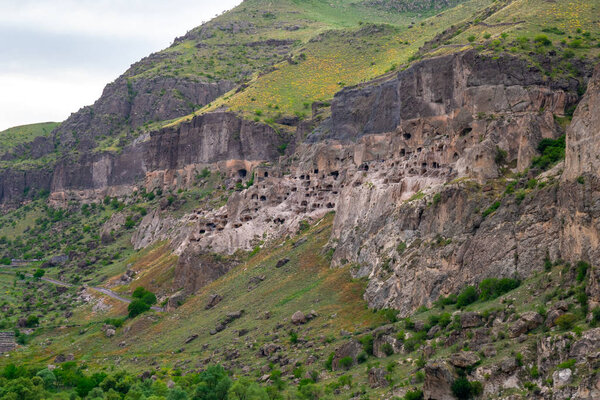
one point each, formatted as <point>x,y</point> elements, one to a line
<point>400,248</point>
<point>566,321</point>
<point>543,40</point>
<point>367,343</point>
<point>129,222</point>
<point>329,362</point>
<point>463,389</point>
<point>471,38</point>
<point>137,307</point>
<point>387,349</point>
<point>468,296</point>
<point>32,321</point>
<point>362,357</point>
<point>389,314</point>
<point>205,173</point>
<point>582,268</point>
<point>346,362</point>
<point>491,209</point>
<point>414,395</point>
<point>293,337</point>
<point>595,316</point>
<point>446,301</point>
<point>149,298</point>
<point>39,273</point>
<point>144,295</point>
<point>551,151</point>
<point>567,364</point>
<point>492,288</point>
<point>5,261</point>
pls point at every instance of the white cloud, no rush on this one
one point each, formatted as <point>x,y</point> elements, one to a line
<point>59,54</point>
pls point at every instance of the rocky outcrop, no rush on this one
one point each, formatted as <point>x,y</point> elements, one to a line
<point>580,194</point>
<point>129,102</point>
<point>171,157</point>
<point>446,125</point>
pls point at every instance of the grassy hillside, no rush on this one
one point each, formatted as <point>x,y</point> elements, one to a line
<point>12,137</point>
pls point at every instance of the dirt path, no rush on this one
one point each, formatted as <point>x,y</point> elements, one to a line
<point>107,292</point>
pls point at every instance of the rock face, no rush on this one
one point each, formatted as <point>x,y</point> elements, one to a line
<point>171,157</point>
<point>439,377</point>
<point>350,349</point>
<point>131,101</point>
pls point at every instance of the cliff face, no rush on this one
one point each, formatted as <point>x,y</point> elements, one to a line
<point>131,102</point>
<point>446,126</point>
<point>170,157</point>
<point>408,162</point>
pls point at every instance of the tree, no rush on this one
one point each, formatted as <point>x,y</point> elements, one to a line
<point>39,273</point>
<point>244,389</point>
<point>137,307</point>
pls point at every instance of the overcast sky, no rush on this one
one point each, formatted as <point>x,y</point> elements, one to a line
<point>57,55</point>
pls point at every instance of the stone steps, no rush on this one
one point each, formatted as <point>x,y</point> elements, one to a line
<point>7,342</point>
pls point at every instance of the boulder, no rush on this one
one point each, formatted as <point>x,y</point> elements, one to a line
<point>439,377</point>
<point>383,344</point>
<point>282,262</point>
<point>298,318</point>
<point>562,378</point>
<point>464,359</point>
<point>377,378</point>
<point>268,349</point>
<point>213,300</point>
<point>191,338</point>
<point>470,320</point>
<point>350,349</point>
<point>528,321</point>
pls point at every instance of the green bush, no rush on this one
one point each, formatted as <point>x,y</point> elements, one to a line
<point>414,395</point>
<point>543,40</point>
<point>468,296</point>
<point>346,362</point>
<point>551,151</point>
<point>367,343</point>
<point>446,301</point>
<point>144,295</point>
<point>39,273</point>
<point>32,321</point>
<point>566,321</point>
<point>582,268</point>
<point>329,362</point>
<point>137,307</point>
<point>387,349</point>
<point>463,389</point>
<point>5,261</point>
<point>491,209</point>
<point>492,288</point>
<point>595,316</point>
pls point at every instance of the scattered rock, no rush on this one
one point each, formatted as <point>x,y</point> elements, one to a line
<point>562,378</point>
<point>350,349</point>
<point>470,320</point>
<point>377,378</point>
<point>528,321</point>
<point>282,262</point>
<point>298,318</point>
<point>191,338</point>
<point>213,300</point>
<point>464,359</point>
